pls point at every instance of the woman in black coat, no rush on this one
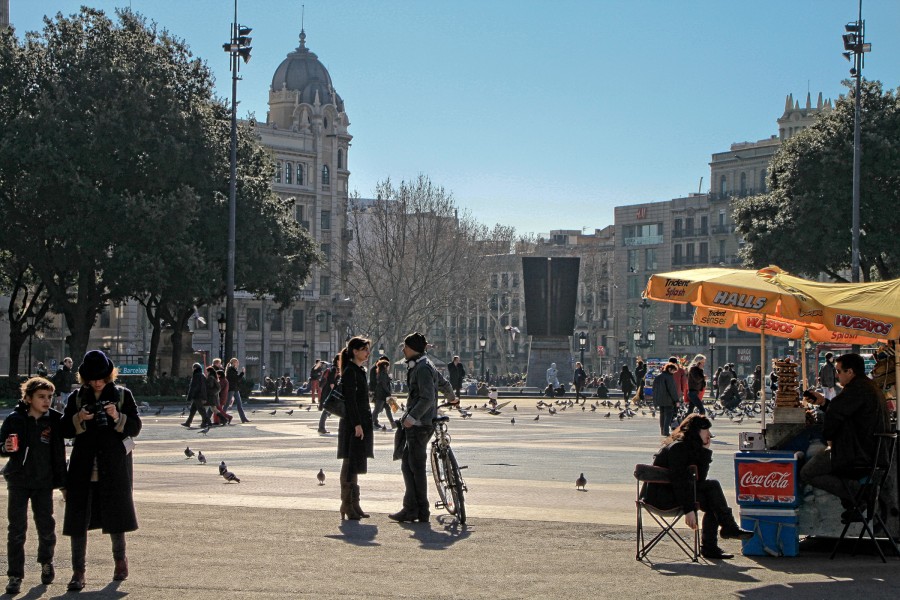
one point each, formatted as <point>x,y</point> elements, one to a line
<point>355,439</point>
<point>100,416</point>
<point>626,382</point>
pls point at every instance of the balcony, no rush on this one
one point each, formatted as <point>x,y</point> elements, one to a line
<point>687,233</point>
<point>690,260</point>
<point>728,259</point>
<point>647,240</point>
<point>723,229</point>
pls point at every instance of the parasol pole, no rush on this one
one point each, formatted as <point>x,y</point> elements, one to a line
<point>802,341</point>
<point>762,370</point>
<point>893,344</point>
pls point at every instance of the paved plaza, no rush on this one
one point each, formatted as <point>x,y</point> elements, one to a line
<point>530,534</point>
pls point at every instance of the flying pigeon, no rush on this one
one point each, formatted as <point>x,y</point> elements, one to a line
<point>229,477</point>
<point>188,452</point>
<point>581,482</point>
<point>222,468</point>
<point>201,458</point>
<point>321,477</point>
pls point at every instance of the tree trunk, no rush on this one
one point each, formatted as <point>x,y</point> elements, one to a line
<point>177,335</point>
<point>16,341</point>
<point>155,336</point>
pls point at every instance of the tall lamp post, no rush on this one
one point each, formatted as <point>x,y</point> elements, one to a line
<point>855,48</point>
<point>239,49</point>
<point>582,341</point>
<point>223,327</point>
<point>303,364</point>
<point>482,342</point>
<point>644,341</point>
<point>711,338</point>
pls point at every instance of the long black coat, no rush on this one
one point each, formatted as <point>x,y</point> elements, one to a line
<point>678,457</point>
<point>356,396</point>
<point>108,503</point>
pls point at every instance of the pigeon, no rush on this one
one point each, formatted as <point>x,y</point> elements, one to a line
<point>290,412</point>
<point>222,468</point>
<point>205,430</point>
<point>308,408</point>
<point>321,477</point>
<point>200,458</point>
<point>229,477</point>
<point>551,410</point>
<point>273,412</point>
<point>515,407</point>
<point>253,412</point>
<point>622,415</point>
<point>607,414</point>
<point>513,420</point>
<point>582,408</point>
<point>188,452</point>
<point>536,417</point>
<point>159,410</point>
<point>493,411</point>
<point>581,482</point>
<point>384,427</point>
<point>593,408</point>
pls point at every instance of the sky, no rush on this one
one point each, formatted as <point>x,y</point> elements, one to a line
<point>540,115</point>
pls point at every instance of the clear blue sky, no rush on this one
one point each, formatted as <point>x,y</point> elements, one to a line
<point>542,115</point>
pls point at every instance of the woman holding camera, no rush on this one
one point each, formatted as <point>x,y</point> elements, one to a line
<point>100,417</point>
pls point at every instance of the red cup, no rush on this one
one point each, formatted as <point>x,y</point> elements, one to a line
<point>14,442</point>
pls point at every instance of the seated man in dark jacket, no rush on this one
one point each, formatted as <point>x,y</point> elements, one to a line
<point>689,446</point>
<point>852,419</point>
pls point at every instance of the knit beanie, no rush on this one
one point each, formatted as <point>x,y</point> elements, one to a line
<point>416,341</point>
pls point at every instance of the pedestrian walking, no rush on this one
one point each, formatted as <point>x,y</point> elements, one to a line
<point>235,377</point>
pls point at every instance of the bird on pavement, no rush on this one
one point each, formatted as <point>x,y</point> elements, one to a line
<point>253,412</point>
<point>608,414</point>
<point>581,482</point>
<point>290,412</point>
<point>493,411</point>
<point>536,417</point>
<point>551,410</point>
<point>229,477</point>
<point>384,427</point>
<point>273,412</point>
<point>515,407</point>
<point>593,408</point>
<point>188,452</point>
<point>205,430</point>
<point>308,408</point>
<point>513,420</point>
<point>622,415</point>
<point>321,477</point>
<point>200,458</point>
<point>222,468</point>
<point>582,409</point>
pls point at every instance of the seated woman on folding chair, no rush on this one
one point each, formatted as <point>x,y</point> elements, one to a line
<point>689,446</point>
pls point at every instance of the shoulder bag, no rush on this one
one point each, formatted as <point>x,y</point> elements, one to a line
<point>335,403</point>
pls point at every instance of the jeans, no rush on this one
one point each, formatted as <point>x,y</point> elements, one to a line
<point>413,466</point>
<point>234,397</point>
<point>17,514</point>
<point>666,414</point>
<point>325,415</point>
<point>382,405</point>
<point>694,401</point>
<point>79,549</point>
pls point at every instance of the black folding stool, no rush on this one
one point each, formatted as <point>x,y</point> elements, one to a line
<point>666,519</point>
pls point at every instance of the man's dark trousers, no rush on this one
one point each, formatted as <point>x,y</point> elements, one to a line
<point>413,466</point>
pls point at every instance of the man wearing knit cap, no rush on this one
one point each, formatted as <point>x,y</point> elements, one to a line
<point>411,444</point>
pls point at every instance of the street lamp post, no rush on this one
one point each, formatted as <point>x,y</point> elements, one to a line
<point>711,338</point>
<point>482,342</point>
<point>303,364</point>
<point>380,350</point>
<point>223,327</point>
<point>239,49</point>
<point>582,341</point>
<point>643,340</point>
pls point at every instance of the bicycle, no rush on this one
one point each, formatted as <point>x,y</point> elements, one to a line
<point>446,471</point>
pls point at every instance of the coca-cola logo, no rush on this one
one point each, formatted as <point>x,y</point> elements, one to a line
<point>775,480</point>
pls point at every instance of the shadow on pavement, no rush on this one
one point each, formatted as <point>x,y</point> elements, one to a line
<point>710,570</point>
<point>357,533</point>
<point>823,589</point>
<point>433,539</point>
<point>110,592</point>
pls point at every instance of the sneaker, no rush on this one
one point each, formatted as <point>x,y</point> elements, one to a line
<point>48,573</point>
<point>14,586</point>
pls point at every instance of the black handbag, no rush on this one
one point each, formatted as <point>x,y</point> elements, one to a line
<point>335,403</point>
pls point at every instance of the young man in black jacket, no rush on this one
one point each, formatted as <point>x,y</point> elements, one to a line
<point>33,442</point>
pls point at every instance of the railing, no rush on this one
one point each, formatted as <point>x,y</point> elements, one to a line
<point>720,229</point>
<point>691,260</point>
<point>646,240</point>
<point>686,233</point>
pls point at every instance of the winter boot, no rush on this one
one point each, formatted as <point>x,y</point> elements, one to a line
<point>347,509</point>
<point>354,500</point>
<point>730,529</point>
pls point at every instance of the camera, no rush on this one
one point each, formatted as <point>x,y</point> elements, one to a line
<point>98,410</point>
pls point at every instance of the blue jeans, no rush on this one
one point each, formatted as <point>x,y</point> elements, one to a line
<point>17,514</point>
<point>695,402</point>
<point>234,397</point>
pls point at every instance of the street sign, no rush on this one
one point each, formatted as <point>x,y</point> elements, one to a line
<point>133,369</point>
<point>54,365</point>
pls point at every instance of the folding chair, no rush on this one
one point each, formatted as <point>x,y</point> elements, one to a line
<point>865,501</point>
<point>666,519</point>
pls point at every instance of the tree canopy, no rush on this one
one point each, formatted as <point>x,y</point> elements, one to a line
<point>803,223</point>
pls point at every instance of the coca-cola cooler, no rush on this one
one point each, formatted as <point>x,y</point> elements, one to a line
<point>767,479</point>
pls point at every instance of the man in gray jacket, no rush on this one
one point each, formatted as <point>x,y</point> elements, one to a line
<point>665,397</point>
<point>411,444</point>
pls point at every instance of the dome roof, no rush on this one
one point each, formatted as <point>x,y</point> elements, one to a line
<point>301,71</point>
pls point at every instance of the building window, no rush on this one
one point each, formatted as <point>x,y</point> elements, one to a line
<point>689,226</point>
<point>762,181</point>
<point>324,285</point>
<point>723,187</point>
<point>326,251</point>
<point>722,218</point>
<point>677,228</point>
<point>326,175</point>
<point>324,323</point>
<point>650,262</point>
<point>276,364</point>
<point>633,265</point>
<point>743,184</point>
<point>298,320</point>
<point>288,168</point>
<point>278,167</point>
<point>689,253</point>
<point>634,287</point>
<point>252,319</point>
<point>277,323</point>
<point>704,225</point>
<point>704,252</point>
<point>300,170</point>
<point>340,159</point>
<point>298,212</point>
<point>326,219</point>
<point>721,250</point>
<point>676,255</point>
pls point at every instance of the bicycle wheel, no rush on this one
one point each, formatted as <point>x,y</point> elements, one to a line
<point>439,474</point>
<point>456,488</point>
